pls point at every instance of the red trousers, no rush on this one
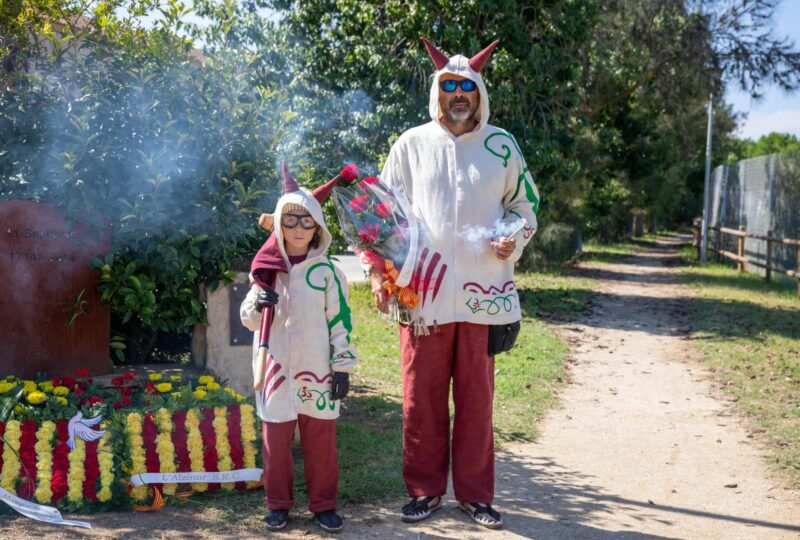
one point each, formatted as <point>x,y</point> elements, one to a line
<point>456,351</point>
<point>318,439</point>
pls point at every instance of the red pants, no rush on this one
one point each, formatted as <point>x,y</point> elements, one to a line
<point>456,351</point>
<point>318,438</point>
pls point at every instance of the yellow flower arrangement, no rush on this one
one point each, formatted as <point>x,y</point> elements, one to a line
<point>77,472</point>
<point>28,387</point>
<point>6,386</point>
<point>44,463</point>
<point>175,378</point>
<point>36,398</point>
<point>164,387</point>
<point>46,386</point>
<point>62,401</point>
<point>137,453</point>
<point>230,391</point>
<point>61,391</point>
<point>195,443</point>
<point>199,393</point>
<point>205,379</point>
<point>11,464</point>
<point>248,436</point>
<point>19,409</point>
<point>176,395</point>
<point>154,377</point>
<point>165,448</point>
<point>224,460</point>
<point>213,385</point>
<point>105,458</point>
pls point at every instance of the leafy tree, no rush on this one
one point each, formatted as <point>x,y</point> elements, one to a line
<point>132,127</point>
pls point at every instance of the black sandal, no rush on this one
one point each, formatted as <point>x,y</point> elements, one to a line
<point>483,514</point>
<point>420,508</point>
<point>276,519</point>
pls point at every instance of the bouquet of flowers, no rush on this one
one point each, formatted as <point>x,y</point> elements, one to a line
<point>378,223</point>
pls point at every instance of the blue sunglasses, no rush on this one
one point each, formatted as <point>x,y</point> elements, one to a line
<point>450,85</point>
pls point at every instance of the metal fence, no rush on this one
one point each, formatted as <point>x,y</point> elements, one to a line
<point>761,194</point>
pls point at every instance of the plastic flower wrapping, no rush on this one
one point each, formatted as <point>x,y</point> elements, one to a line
<point>375,220</point>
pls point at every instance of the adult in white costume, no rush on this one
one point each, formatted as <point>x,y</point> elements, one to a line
<point>469,188</point>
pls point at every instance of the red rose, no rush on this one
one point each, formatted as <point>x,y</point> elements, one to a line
<point>81,372</point>
<point>359,204</point>
<point>350,172</point>
<point>368,181</point>
<point>95,399</point>
<point>69,382</point>
<point>118,404</point>
<point>369,233</point>
<point>384,210</point>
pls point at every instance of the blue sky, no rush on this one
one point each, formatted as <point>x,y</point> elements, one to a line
<point>777,110</point>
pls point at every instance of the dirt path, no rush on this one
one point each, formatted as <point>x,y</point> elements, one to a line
<point>642,447</point>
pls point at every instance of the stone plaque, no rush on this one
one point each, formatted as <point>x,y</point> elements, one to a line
<point>239,333</point>
<point>45,279</point>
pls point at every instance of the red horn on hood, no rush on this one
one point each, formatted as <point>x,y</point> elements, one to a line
<point>479,60</point>
<point>439,58</point>
<point>289,183</point>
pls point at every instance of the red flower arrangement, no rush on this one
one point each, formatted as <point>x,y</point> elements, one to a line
<point>59,484</point>
<point>91,467</point>
<point>235,434</point>
<point>149,434</point>
<point>210,457</point>
<point>27,454</point>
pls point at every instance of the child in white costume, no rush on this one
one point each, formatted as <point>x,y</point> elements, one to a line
<point>310,357</point>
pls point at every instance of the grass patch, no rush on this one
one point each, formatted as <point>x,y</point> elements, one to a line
<point>609,253</point>
<point>748,331</point>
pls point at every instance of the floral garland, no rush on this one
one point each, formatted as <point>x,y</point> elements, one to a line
<point>77,471</point>
<point>44,466</point>
<point>210,457</point>
<point>105,458</point>
<point>60,461</point>
<point>11,464</point>
<point>149,434</point>
<point>180,442</point>
<point>2,432</point>
<point>27,454</point>
<point>92,471</point>
<point>248,436</point>
<point>137,453</point>
<point>235,437</point>
<point>195,441</point>
<point>165,448</point>
<point>223,445</point>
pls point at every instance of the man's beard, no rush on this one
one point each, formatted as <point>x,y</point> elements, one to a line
<point>460,115</point>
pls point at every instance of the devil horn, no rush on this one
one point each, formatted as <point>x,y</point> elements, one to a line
<point>289,183</point>
<point>479,60</point>
<point>439,58</point>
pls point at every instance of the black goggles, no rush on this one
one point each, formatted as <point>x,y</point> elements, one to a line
<point>450,85</point>
<point>290,221</point>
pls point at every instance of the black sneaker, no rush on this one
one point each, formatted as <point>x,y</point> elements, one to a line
<point>276,519</point>
<point>420,508</point>
<point>329,521</point>
<point>483,514</point>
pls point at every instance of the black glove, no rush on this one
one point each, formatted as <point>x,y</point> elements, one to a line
<point>267,297</point>
<point>340,385</point>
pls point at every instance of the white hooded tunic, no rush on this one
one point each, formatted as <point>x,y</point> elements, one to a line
<point>310,334</point>
<point>464,191</point>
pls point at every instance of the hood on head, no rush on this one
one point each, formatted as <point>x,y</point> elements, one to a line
<point>302,197</point>
<point>465,67</point>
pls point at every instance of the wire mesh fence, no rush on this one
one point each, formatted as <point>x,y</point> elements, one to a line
<point>761,194</point>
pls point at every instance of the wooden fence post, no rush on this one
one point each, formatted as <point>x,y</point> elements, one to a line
<point>697,237</point>
<point>718,242</point>
<point>739,263</point>
<point>768,274</point>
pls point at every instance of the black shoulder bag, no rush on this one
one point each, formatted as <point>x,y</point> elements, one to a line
<point>502,337</point>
